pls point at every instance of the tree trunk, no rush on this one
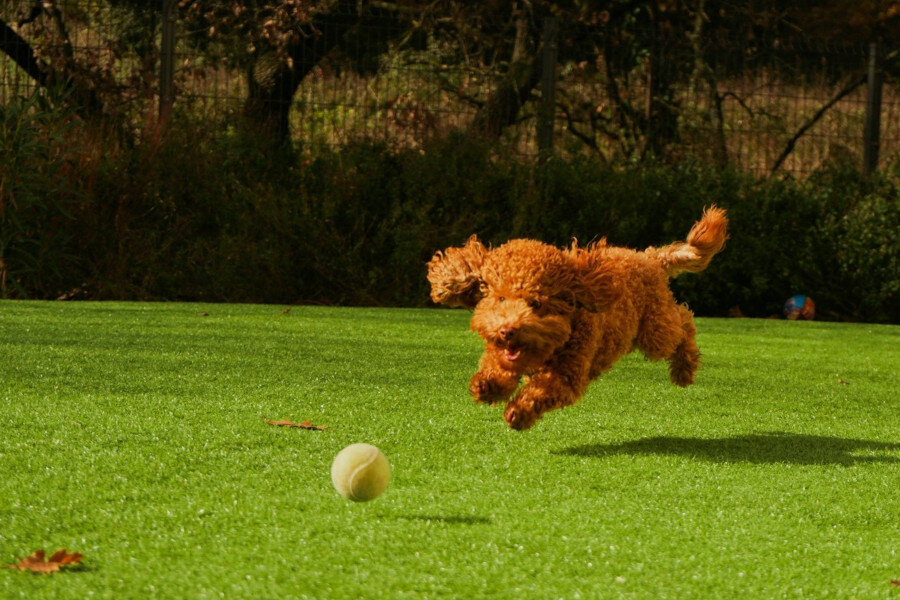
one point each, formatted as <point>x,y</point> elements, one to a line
<point>503,105</point>
<point>661,110</point>
<point>273,80</point>
<point>705,74</point>
<point>272,85</point>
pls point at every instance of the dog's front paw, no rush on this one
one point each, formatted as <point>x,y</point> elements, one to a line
<point>489,391</point>
<point>518,417</point>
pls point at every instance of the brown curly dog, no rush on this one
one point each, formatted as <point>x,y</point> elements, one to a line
<point>562,317</point>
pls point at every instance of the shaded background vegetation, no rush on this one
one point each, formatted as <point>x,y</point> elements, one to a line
<point>283,197</point>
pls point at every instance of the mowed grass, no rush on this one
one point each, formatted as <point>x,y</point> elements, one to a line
<point>134,433</point>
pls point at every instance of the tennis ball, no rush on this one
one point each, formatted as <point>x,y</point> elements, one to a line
<point>360,472</point>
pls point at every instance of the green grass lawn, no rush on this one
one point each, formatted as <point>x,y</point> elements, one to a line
<point>134,434</point>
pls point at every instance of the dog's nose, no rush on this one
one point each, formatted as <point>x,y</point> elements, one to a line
<point>507,333</point>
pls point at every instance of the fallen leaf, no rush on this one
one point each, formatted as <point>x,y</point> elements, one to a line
<point>287,310</point>
<point>303,425</point>
<point>203,314</point>
<point>843,382</point>
<point>37,564</point>
<point>895,582</point>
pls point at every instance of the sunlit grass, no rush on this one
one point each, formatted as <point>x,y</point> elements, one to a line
<point>134,433</point>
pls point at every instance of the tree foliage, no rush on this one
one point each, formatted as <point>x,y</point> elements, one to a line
<point>636,52</point>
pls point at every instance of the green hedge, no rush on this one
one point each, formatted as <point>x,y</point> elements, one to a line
<point>196,215</point>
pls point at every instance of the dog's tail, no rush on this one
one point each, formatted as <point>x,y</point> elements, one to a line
<point>705,239</point>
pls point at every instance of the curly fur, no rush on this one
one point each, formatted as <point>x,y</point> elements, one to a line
<point>555,319</point>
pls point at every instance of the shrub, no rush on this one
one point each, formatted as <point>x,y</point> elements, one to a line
<point>37,158</point>
<point>833,237</point>
<point>859,242</point>
<point>193,215</point>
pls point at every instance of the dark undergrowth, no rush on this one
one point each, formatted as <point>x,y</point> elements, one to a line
<point>197,214</point>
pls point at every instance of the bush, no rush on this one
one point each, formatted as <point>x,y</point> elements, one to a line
<point>37,158</point>
<point>833,237</point>
<point>859,243</point>
<point>373,217</point>
<point>198,216</point>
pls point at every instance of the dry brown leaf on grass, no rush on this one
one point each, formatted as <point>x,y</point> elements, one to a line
<point>895,582</point>
<point>36,563</point>
<point>304,425</point>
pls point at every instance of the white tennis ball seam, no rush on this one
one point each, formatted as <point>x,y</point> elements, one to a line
<point>372,458</point>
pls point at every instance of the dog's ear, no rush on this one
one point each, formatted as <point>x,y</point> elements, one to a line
<point>595,285</point>
<point>455,274</point>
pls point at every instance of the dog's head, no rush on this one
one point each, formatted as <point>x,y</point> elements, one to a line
<point>525,293</point>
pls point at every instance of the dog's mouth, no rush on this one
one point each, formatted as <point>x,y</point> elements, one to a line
<point>511,351</point>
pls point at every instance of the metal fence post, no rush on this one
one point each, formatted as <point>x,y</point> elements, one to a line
<point>873,109</point>
<point>167,62</point>
<point>547,109</point>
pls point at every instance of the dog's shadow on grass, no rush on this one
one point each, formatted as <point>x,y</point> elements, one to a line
<point>757,448</point>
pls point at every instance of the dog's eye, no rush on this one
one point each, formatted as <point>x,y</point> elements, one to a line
<point>501,298</point>
<point>535,304</point>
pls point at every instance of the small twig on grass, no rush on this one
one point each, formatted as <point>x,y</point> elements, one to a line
<point>304,425</point>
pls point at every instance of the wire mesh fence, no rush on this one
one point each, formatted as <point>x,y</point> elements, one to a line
<point>787,111</point>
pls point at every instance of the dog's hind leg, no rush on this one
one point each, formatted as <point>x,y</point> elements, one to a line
<point>685,361</point>
<point>670,334</point>
<point>660,333</point>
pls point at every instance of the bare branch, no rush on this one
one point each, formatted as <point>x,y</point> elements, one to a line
<point>21,52</point>
<point>845,91</point>
<point>587,140</point>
